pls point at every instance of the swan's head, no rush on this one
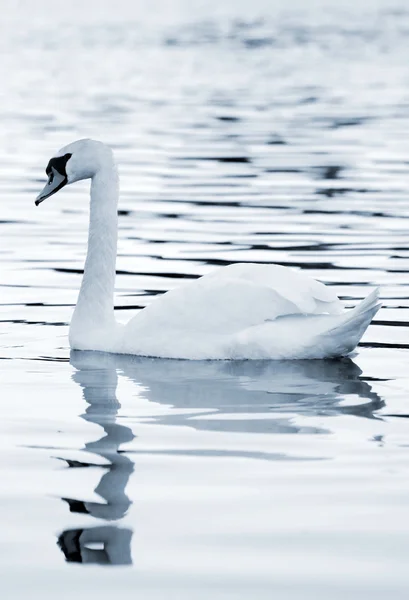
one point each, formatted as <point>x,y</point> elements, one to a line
<point>79,160</point>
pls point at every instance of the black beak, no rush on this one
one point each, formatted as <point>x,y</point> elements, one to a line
<point>56,181</point>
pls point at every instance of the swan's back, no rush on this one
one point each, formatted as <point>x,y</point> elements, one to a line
<point>245,311</point>
<point>233,298</point>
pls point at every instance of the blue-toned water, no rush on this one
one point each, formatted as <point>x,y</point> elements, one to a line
<point>262,131</point>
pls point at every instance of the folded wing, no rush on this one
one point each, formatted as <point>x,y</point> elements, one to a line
<point>236,297</point>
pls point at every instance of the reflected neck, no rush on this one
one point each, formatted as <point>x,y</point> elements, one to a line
<point>95,306</point>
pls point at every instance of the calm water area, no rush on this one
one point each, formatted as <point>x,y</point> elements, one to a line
<point>262,131</point>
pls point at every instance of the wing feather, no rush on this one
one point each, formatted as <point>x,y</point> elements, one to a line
<point>233,298</point>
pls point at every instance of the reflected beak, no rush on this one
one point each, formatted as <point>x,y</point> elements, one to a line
<point>56,181</point>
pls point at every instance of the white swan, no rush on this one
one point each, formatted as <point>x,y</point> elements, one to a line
<point>242,311</point>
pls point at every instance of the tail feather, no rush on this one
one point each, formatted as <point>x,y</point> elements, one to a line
<point>346,334</point>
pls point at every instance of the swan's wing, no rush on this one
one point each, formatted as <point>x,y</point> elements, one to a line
<point>233,298</point>
<point>310,296</point>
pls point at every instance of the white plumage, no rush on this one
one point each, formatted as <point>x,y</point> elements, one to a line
<point>242,311</point>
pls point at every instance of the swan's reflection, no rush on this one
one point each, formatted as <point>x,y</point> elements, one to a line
<point>230,390</point>
<point>109,544</point>
<point>234,388</point>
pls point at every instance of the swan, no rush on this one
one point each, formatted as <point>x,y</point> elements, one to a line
<point>241,311</point>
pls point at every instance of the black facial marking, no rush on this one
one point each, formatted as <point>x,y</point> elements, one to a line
<point>58,164</point>
<point>57,177</point>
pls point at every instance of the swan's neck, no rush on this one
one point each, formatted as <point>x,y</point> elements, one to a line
<point>94,312</point>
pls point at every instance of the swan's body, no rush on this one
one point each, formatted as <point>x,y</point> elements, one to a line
<point>243,311</point>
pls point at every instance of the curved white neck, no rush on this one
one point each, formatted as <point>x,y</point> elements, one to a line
<point>94,311</point>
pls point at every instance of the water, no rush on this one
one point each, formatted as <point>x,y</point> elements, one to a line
<point>244,132</point>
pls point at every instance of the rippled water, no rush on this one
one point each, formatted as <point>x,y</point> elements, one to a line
<point>245,132</point>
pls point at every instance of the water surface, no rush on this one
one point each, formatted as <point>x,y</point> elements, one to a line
<point>261,132</point>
